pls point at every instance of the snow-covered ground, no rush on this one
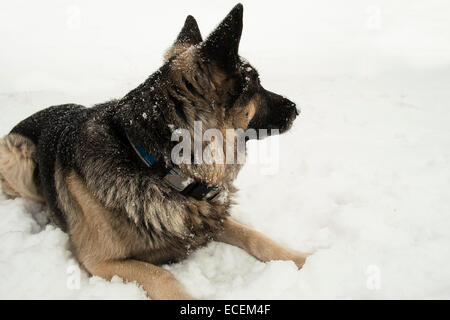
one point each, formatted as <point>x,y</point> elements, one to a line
<point>363,180</point>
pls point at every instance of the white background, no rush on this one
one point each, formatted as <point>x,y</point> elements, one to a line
<point>363,180</point>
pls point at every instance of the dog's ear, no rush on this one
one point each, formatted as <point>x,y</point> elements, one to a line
<point>190,35</point>
<point>222,44</point>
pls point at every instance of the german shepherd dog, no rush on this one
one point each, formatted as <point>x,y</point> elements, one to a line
<point>105,172</point>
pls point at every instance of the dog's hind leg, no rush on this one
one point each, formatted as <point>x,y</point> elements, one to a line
<point>17,166</point>
<point>7,189</point>
<point>257,244</point>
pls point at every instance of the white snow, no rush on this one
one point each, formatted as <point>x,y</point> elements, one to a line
<point>363,180</point>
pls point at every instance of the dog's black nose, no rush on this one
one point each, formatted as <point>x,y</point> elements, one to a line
<point>294,108</point>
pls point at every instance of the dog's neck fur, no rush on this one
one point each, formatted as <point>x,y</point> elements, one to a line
<point>185,97</point>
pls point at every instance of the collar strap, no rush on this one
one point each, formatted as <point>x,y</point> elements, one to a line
<point>185,185</point>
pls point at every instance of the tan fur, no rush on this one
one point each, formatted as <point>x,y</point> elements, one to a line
<point>239,117</point>
<point>7,189</point>
<point>257,244</point>
<point>17,165</point>
<point>176,49</point>
<point>105,249</point>
<point>92,235</point>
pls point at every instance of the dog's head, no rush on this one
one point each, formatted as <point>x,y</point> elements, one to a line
<point>209,81</point>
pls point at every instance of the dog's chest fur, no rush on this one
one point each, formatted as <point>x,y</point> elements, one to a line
<point>98,232</point>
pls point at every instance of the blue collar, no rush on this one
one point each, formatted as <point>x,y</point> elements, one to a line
<point>148,158</point>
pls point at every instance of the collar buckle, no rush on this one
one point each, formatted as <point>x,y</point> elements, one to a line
<point>189,187</point>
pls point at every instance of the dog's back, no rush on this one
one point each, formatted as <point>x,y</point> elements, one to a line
<point>46,119</point>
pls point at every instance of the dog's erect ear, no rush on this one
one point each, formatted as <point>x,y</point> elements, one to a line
<point>222,44</point>
<point>190,35</point>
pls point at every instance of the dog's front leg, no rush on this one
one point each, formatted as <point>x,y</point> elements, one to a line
<point>159,283</point>
<point>257,244</point>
